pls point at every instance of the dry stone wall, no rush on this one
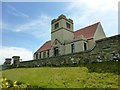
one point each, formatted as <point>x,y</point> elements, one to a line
<point>106,49</point>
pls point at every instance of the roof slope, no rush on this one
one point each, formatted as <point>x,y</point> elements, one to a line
<point>45,46</point>
<point>88,32</point>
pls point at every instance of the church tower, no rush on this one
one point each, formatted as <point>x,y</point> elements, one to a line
<point>61,32</point>
<point>62,29</point>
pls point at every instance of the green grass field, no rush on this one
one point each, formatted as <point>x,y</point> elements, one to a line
<point>97,75</point>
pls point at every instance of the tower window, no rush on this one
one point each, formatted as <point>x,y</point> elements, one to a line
<point>56,25</point>
<point>72,48</point>
<point>67,25</point>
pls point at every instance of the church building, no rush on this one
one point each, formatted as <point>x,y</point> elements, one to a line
<point>64,40</point>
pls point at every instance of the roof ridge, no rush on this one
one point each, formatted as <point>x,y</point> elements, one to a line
<point>87,31</point>
<point>87,26</point>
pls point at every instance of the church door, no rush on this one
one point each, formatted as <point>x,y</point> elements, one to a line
<point>56,51</point>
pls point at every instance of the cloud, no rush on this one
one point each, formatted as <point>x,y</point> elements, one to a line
<point>87,12</point>
<point>34,24</point>
<point>8,52</point>
<point>38,27</point>
<point>84,12</point>
<point>101,5</point>
<point>16,12</point>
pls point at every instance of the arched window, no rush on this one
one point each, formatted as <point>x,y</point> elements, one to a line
<point>56,51</point>
<point>85,46</point>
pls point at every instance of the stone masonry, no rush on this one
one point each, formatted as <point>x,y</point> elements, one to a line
<point>106,49</point>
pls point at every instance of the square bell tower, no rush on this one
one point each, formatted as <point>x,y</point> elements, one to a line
<point>62,29</point>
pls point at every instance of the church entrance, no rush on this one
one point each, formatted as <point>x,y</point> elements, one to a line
<point>56,51</point>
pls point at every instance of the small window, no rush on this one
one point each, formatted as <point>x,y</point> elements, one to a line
<point>40,55</point>
<point>85,46</point>
<point>67,25</point>
<point>48,53</point>
<point>36,55</point>
<point>72,48</point>
<point>44,54</point>
<point>56,25</point>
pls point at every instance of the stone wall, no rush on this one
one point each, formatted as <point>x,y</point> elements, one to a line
<point>106,49</point>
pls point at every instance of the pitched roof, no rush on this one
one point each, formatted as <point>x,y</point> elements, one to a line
<point>45,46</point>
<point>88,32</point>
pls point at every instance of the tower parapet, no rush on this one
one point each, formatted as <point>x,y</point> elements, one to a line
<point>61,17</point>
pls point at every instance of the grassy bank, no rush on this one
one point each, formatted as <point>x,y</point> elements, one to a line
<point>97,75</point>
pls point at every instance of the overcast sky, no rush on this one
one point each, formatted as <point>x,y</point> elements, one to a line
<point>26,25</point>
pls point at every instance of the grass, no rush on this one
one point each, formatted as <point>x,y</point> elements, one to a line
<point>95,75</point>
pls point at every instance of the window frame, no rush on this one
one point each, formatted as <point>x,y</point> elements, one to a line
<point>56,26</point>
<point>72,48</point>
<point>44,54</point>
<point>68,25</point>
<point>48,53</point>
<point>85,46</point>
<point>40,55</point>
<point>36,56</point>
<point>56,51</point>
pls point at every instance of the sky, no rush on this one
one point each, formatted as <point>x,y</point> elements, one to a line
<point>25,26</point>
